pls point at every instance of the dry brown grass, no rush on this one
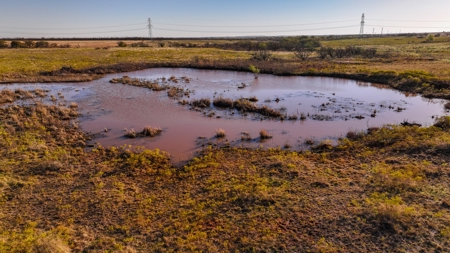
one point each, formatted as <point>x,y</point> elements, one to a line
<point>223,102</point>
<point>263,134</point>
<point>201,103</point>
<point>220,133</point>
<point>151,131</point>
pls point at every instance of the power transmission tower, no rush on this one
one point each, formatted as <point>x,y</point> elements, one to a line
<point>150,35</point>
<point>361,31</point>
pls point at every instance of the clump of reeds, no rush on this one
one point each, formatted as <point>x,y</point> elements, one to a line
<point>202,103</point>
<point>130,134</point>
<point>253,99</point>
<point>7,96</point>
<point>245,106</point>
<point>302,116</point>
<point>148,131</point>
<point>151,131</point>
<point>324,145</point>
<point>183,102</point>
<point>172,92</point>
<point>73,105</point>
<point>223,102</point>
<point>263,134</point>
<point>309,141</point>
<point>293,117</point>
<point>39,93</point>
<point>220,133</point>
<point>139,82</point>
<point>20,93</point>
<point>245,136</point>
<point>267,111</point>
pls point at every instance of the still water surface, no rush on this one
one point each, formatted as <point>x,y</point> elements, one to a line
<point>333,105</point>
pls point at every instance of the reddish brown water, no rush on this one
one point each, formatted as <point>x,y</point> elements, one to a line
<point>331,103</point>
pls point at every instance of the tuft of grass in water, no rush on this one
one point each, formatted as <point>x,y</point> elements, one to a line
<point>245,136</point>
<point>220,133</point>
<point>263,134</point>
<point>151,131</point>
<point>148,131</point>
<point>223,102</point>
<point>201,103</point>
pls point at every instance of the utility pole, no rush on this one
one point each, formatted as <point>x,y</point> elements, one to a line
<point>150,35</point>
<point>361,30</point>
<point>382,31</point>
<point>373,31</point>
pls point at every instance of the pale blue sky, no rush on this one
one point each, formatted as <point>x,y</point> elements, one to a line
<point>196,18</point>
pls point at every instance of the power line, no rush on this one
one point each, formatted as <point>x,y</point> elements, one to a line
<point>99,27</point>
<point>415,27</point>
<point>78,32</point>
<point>416,21</point>
<point>249,26</point>
<point>312,29</point>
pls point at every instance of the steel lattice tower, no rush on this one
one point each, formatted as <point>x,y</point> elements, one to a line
<point>150,35</point>
<point>361,30</point>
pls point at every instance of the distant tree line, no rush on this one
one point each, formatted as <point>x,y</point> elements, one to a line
<point>30,44</point>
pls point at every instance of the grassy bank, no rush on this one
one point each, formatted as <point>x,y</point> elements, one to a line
<point>387,190</point>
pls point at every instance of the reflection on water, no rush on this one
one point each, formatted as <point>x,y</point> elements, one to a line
<point>333,107</point>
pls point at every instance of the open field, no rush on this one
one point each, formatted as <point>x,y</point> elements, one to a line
<point>382,190</point>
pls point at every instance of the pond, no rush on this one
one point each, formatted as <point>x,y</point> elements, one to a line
<point>319,108</point>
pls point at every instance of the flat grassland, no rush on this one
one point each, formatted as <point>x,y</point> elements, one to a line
<point>382,190</point>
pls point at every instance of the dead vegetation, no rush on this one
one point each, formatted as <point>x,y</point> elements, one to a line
<point>263,134</point>
<point>246,105</point>
<point>220,133</point>
<point>148,131</point>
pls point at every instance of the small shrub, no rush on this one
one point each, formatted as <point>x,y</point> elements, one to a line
<point>324,145</point>
<point>16,44</point>
<point>3,44</point>
<point>121,44</point>
<point>42,44</point>
<point>323,53</point>
<point>389,212</point>
<point>261,54</point>
<point>29,43</point>
<point>254,70</point>
<point>443,122</point>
